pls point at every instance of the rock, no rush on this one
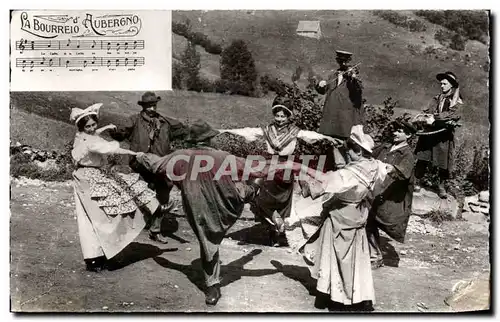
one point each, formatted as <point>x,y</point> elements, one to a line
<point>425,202</point>
<point>475,217</point>
<point>470,295</point>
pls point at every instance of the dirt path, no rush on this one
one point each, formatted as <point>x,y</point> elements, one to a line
<point>48,273</point>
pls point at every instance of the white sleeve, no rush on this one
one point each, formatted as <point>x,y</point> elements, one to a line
<point>310,136</point>
<point>249,133</point>
<point>339,181</point>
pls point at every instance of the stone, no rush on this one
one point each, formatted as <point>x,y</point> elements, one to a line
<point>425,202</point>
<point>470,295</point>
<point>475,217</point>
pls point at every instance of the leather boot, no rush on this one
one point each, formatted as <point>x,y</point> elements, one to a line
<point>213,294</point>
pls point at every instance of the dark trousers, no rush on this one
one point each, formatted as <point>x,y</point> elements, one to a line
<point>162,188</point>
<point>422,167</point>
<point>373,235</point>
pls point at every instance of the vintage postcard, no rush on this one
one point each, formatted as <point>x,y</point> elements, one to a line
<point>279,161</point>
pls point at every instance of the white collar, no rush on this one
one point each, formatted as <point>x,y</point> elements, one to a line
<point>394,147</point>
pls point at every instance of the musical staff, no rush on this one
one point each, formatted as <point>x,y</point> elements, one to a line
<point>25,45</point>
<point>73,62</point>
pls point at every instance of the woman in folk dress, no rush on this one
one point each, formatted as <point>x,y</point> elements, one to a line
<point>338,253</point>
<point>274,202</point>
<point>109,206</point>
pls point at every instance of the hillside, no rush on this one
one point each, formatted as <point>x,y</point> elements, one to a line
<point>392,59</point>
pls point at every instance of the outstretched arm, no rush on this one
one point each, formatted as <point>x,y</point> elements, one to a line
<point>312,137</point>
<point>249,133</point>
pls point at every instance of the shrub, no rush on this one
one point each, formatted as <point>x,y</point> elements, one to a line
<point>473,25</point>
<point>21,165</point>
<point>198,38</point>
<point>479,174</point>
<point>401,20</point>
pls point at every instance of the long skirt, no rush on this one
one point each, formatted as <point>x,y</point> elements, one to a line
<point>101,231</point>
<point>339,257</point>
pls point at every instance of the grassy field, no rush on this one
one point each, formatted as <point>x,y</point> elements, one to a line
<point>389,67</point>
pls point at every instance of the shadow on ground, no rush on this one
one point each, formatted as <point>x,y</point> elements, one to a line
<point>136,252</point>
<point>257,234</point>
<point>391,257</point>
<point>230,273</point>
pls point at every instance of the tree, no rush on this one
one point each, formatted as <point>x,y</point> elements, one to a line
<point>191,68</point>
<point>237,69</point>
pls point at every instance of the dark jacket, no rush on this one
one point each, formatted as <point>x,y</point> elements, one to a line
<point>392,209</point>
<point>343,106</point>
<point>152,135</point>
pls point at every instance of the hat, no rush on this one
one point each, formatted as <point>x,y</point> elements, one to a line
<point>343,54</point>
<point>200,131</point>
<point>282,102</point>
<point>77,113</point>
<point>149,98</point>
<point>360,138</point>
<point>406,126</point>
<point>449,76</point>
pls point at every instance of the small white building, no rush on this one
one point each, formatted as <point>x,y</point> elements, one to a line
<point>311,29</point>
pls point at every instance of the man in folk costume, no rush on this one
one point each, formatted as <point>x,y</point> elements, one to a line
<point>212,201</point>
<point>436,150</point>
<point>151,132</point>
<point>343,107</point>
<point>392,208</point>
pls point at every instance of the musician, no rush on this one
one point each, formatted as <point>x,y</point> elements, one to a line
<point>151,132</point>
<point>343,104</point>
<point>437,150</point>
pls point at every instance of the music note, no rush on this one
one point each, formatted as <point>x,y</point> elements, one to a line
<point>24,63</point>
<point>94,60</point>
<point>126,61</point>
<point>118,62</point>
<point>32,45</point>
<point>135,62</point>
<point>93,44</point>
<point>135,44</point>
<point>126,45</point>
<point>67,63</point>
<point>50,44</point>
<point>69,43</point>
<point>117,46</point>
<point>50,62</point>
<point>43,61</point>
<point>32,64</point>
<point>109,62</point>
<point>78,44</point>
<point>85,63</point>
<point>109,46</point>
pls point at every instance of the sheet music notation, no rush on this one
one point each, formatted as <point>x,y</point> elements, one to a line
<point>73,62</point>
<point>69,44</point>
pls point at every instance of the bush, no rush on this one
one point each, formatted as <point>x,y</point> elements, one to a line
<point>21,165</point>
<point>198,38</point>
<point>479,174</point>
<point>473,25</point>
<point>401,20</point>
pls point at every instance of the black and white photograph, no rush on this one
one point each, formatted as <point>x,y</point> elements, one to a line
<point>243,161</point>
